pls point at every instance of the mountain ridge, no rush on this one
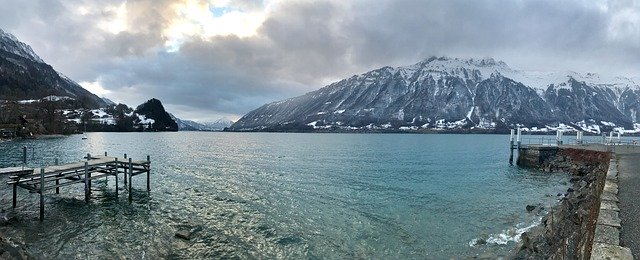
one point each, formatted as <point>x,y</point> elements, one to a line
<point>451,93</point>
<point>24,75</point>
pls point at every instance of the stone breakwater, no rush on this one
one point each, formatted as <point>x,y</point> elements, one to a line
<point>567,232</point>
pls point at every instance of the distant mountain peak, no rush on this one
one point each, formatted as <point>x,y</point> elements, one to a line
<point>10,43</point>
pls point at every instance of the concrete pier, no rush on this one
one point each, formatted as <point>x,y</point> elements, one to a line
<point>533,155</point>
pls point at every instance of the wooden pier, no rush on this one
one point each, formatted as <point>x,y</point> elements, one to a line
<point>41,180</point>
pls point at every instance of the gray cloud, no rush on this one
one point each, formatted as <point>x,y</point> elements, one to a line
<point>303,45</point>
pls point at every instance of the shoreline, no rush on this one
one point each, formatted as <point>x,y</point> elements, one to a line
<point>568,229</point>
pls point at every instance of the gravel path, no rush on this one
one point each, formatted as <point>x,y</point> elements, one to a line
<point>629,196</point>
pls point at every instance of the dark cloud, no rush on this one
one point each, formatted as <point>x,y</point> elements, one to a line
<point>305,44</point>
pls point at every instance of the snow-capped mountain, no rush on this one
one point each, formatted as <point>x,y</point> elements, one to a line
<point>189,125</point>
<point>217,125</point>
<point>450,93</point>
<point>9,43</point>
<point>25,76</point>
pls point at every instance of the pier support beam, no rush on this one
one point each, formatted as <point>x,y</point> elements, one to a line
<point>41,194</point>
<point>559,134</point>
<point>15,189</point>
<point>130,173</point>
<point>148,173</point>
<point>115,173</point>
<point>125,172</point>
<point>87,190</point>
<point>57,180</point>
<point>511,148</point>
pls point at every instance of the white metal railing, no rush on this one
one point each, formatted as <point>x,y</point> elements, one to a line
<point>517,138</point>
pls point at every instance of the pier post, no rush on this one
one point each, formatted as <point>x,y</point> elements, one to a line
<point>148,173</point>
<point>15,189</point>
<point>558,137</point>
<point>41,194</point>
<point>511,146</point>
<point>105,154</point>
<point>24,155</point>
<point>86,182</point>
<point>579,137</point>
<point>519,137</point>
<point>611,137</point>
<point>57,180</point>
<point>125,172</point>
<point>130,174</point>
<point>115,169</point>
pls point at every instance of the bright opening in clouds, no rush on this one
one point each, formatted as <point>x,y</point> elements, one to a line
<point>95,88</point>
<point>214,18</point>
<point>208,59</point>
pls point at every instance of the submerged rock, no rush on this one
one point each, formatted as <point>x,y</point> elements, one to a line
<point>7,217</point>
<point>184,234</point>
<point>11,250</point>
<point>530,208</point>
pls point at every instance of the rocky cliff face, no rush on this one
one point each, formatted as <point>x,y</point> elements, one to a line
<point>446,93</point>
<point>160,119</point>
<point>25,76</point>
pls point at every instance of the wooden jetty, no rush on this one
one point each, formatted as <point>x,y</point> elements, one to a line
<point>40,180</point>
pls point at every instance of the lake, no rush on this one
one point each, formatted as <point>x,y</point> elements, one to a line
<point>284,195</point>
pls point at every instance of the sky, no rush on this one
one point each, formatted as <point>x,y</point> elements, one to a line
<point>223,58</point>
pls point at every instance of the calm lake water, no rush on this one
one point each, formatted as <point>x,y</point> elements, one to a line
<point>296,196</point>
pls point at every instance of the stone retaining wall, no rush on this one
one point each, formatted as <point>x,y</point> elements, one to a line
<point>606,242</point>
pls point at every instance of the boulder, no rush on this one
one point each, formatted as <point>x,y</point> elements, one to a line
<point>530,208</point>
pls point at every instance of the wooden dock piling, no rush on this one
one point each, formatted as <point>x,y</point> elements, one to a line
<point>15,188</point>
<point>57,180</point>
<point>130,174</point>
<point>86,181</point>
<point>115,174</point>
<point>148,174</point>
<point>41,194</point>
<point>125,173</point>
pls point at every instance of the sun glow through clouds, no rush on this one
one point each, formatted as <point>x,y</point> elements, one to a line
<point>118,21</point>
<point>207,19</point>
<point>95,88</point>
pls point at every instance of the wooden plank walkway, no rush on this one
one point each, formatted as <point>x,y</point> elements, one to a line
<point>40,180</point>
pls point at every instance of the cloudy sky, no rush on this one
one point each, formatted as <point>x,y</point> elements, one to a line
<point>209,59</point>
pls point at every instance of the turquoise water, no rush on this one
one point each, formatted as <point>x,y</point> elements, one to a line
<point>268,195</point>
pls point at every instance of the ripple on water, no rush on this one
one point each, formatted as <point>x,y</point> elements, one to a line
<point>294,196</point>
